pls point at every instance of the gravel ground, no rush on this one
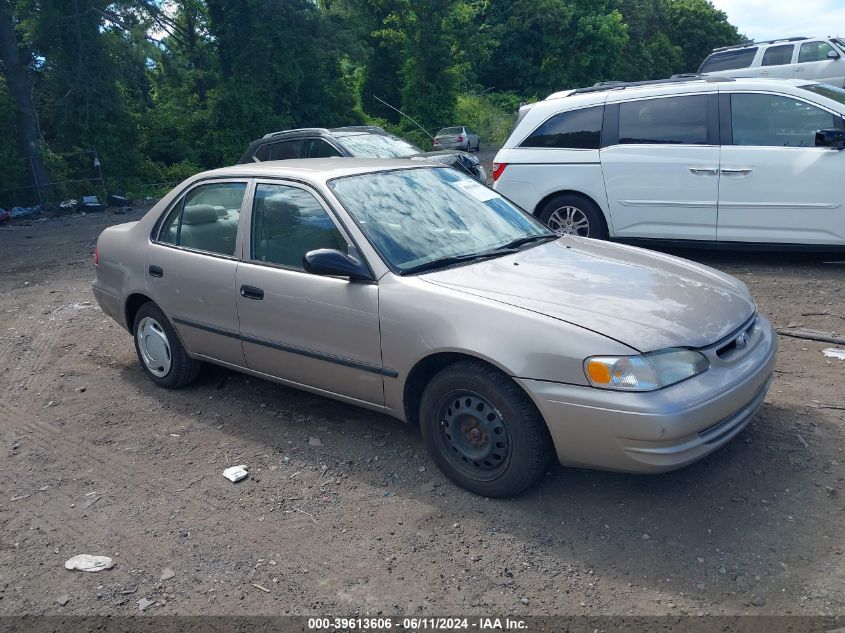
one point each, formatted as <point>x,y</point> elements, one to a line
<point>344,513</point>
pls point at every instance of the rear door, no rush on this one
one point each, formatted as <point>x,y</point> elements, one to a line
<point>777,62</point>
<point>191,268</point>
<point>661,166</point>
<point>775,185</point>
<point>314,331</point>
<point>813,63</point>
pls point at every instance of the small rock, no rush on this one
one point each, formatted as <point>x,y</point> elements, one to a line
<point>63,599</point>
<point>167,574</point>
<point>524,600</point>
<point>314,441</point>
<point>758,601</point>
<point>722,570</point>
<point>645,537</point>
<point>143,603</point>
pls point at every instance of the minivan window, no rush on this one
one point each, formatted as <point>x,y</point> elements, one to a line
<point>207,219</point>
<point>776,121</point>
<point>575,129</point>
<point>814,52</point>
<point>729,60</point>
<point>778,55</point>
<point>671,120</point>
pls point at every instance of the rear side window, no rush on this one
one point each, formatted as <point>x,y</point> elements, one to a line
<point>778,55</point>
<point>671,120</point>
<point>287,223</point>
<point>774,121</point>
<point>283,150</point>
<point>206,219</point>
<point>576,129</point>
<point>729,60</point>
<point>814,52</point>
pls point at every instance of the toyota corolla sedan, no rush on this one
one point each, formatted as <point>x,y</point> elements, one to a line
<point>414,290</point>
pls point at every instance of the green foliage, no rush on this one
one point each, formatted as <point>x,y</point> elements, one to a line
<point>162,88</point>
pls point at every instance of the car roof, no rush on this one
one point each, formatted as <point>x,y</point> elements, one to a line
<point>315,169</point>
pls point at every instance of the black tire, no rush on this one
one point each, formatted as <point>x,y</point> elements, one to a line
<point>183,369</point>
<point>597,227</point>
<point>527,449</point>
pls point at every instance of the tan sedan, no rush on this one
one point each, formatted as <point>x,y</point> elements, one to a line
<point>416,291</point>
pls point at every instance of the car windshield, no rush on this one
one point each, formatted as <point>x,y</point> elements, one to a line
<point>450,131</point>
<point>428,218</point>
<point>826,90</point>
<point>377,146</point>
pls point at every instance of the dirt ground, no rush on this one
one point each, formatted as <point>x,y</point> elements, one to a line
<point>97,460</point>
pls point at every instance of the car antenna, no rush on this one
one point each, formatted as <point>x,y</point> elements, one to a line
<point>409,118</point>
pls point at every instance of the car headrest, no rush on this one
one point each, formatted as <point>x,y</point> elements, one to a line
<point>199,214</point>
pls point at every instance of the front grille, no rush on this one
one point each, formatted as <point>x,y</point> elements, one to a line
<point>736,342</point>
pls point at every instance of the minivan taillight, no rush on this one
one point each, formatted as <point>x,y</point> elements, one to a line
<point>460,139</point>
<point>498,170</point>
<point>96,255</point>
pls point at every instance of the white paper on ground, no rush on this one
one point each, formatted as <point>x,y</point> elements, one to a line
<point>236,473</point>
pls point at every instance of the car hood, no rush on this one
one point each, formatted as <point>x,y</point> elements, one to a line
<point>646,300</point>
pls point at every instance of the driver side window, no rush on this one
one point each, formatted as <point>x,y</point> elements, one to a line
<point>287,223</point>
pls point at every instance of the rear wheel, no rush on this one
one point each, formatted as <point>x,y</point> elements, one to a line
<point>571,214</point>
<point>483,431</point>
<point>160,351</point>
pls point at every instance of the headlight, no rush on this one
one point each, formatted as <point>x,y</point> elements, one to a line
<point>646,372</point>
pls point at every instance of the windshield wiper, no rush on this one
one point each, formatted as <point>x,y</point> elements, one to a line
<point>522,241</point>
<point>507,249</point>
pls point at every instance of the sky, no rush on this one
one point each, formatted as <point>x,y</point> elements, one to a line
<point>770,19</point>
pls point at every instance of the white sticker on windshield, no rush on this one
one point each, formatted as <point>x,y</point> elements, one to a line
<point>476,190</point>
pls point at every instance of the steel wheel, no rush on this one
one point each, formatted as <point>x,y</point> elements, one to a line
<point>569,220</point>
<point>473,435</point>
<point>153,346</point>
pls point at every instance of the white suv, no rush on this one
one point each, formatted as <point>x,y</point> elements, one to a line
<point>809,58</point>
<point>712,159</point>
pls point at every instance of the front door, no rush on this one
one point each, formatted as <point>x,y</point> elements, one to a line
<point>313,331</point>
<point>776,186</point>
<point>191,268</point>
<point>662,171</point>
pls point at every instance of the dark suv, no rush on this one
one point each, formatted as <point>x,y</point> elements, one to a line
<point>363,141</point>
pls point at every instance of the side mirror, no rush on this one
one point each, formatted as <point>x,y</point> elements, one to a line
<point>833,138</point>
<point>832,55</point>
<point>330,262</point>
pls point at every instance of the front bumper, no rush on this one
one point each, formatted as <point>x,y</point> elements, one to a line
<point>659,430</point>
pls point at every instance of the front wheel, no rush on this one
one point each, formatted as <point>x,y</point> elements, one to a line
<point>483,431</point>
<point>569,214</point>
<point>160,351</point>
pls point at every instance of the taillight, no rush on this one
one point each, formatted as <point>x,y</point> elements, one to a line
<point>460,139</point>
<point>498,170</point>
<point>96,255</point>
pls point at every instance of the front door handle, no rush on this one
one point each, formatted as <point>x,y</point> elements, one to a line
<point>156,271</point>
<point>703,171</point>
<point>742,171</point>
<point>251,292</point>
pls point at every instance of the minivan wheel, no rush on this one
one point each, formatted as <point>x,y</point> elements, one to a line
<point>162,355</point>
<point>483,431</point>
<point>569,214</point>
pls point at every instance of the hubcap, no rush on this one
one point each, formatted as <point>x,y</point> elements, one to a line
<point>569,221</point>
<point>473,435</point>
<point>154,347</point>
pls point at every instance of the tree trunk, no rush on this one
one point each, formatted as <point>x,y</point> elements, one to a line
<point>20,88</point>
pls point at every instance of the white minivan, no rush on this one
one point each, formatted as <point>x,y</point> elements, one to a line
<point>686,159</point>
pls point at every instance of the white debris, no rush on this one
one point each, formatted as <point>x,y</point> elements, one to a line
<point>236,473</point>
<point>832,352</point>
<point>86,562</point>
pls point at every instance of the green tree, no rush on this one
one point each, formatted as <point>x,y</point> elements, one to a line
<point>697,27</point>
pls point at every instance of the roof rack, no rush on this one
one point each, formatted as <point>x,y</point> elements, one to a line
<point>747,44</point>
<point>622,85</point>
<point>358,128</point>
<point>313,130</point>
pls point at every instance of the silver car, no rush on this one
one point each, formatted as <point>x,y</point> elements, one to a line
<point>460,137</point>
<point>414,290</point>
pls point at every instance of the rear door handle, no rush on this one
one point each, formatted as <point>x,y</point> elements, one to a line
<point>742,171</point>
<point>251,292</point>
<point>703,171</point>
<point>156,271</point>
